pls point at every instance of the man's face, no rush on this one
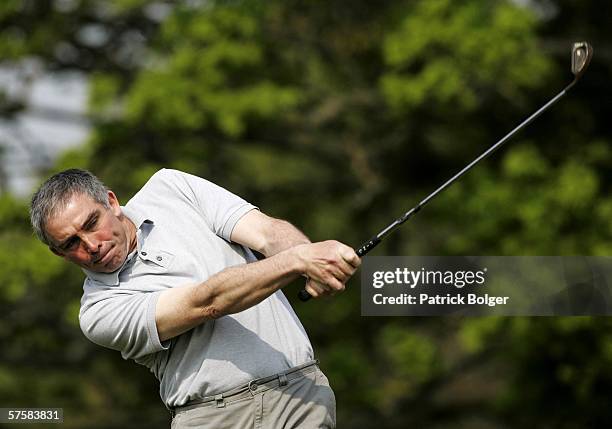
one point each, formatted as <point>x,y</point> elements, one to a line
<point>90,235</point>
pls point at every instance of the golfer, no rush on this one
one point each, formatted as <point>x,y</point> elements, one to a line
<point>172,284</point>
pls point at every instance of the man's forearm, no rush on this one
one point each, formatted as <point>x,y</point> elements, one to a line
<point>289,254</point>
<point>281,235</point>
<point>229,291</point>
<point>238,288</point>
<point>266,234</point>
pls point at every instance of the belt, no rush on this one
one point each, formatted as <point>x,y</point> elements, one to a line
<point>249,389</point>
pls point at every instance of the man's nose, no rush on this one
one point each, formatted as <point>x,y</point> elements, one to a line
<point>91,244</point>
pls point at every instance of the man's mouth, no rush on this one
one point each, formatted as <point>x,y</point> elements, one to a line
<point>104,258</point>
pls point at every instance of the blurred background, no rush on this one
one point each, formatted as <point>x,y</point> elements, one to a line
<point>338,116</point>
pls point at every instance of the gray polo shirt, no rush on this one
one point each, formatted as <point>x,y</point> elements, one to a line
<point>184,226</point>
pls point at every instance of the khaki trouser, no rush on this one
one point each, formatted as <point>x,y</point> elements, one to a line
<point>301,399</point>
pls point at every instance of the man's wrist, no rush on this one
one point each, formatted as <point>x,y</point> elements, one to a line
<point>294,259</point>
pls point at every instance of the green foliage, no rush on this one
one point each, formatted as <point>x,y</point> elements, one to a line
<point>454,53</point>
<point>23,253</point>
<point>413,357</point>
<point>211,74</point>
<point>545,209</point>
<point>477,332</point>
<point>103,93</point>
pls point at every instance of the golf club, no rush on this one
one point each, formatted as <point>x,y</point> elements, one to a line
<point>582,52</point>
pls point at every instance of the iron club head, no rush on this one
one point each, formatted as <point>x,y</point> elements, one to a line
<point>582,52</point>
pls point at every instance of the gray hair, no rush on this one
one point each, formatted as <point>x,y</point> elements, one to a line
<point>55,193</point>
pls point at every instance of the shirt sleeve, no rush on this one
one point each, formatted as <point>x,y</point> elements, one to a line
<point>122,321</point>
<point>220,208</point>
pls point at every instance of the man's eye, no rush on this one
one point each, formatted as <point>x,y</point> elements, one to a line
<point>92,223</point>
<point>72,244</point>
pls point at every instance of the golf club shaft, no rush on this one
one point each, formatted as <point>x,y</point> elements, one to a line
<point>374,241</point>
<point>367,246</point>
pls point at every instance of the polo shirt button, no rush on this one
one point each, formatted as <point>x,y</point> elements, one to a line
<point>143,253</point>
<point>253,387</point>
<point>159,258</point>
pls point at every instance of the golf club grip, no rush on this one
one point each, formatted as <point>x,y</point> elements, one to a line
<point>366,247</point>
<point>304,296</point>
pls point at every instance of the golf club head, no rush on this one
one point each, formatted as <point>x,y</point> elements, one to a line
<point>582,52</point>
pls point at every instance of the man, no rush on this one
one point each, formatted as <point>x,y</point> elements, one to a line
<point>172,283</point>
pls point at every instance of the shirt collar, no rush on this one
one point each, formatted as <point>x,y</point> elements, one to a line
<point>143,224</point>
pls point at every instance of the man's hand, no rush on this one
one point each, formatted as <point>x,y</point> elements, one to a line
<point>328,265</point>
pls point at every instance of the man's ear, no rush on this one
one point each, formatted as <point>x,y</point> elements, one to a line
<point>114,203</point>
